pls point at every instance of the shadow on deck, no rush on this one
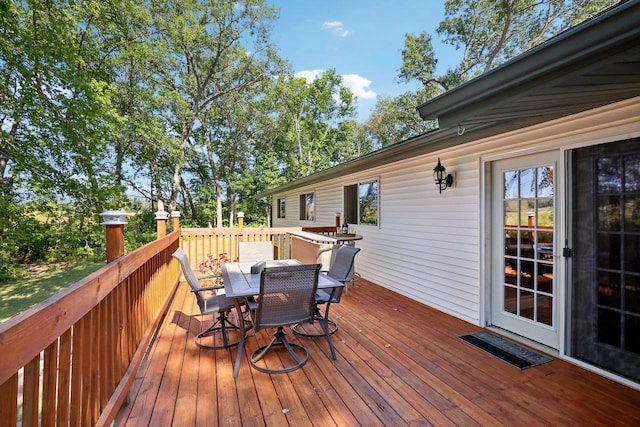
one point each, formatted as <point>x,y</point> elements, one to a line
<point>399,363</point>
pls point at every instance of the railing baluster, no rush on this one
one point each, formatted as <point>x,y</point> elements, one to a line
<point>64,379</point>
<point>75,413</point>
<point>87,337</point>
<point>31,392</point>
<point>49,384</point>
<point>9,401</point>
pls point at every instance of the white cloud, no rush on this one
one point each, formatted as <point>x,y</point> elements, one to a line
<point>360,86</point>
<point>309,75</point>
<point>336,28</point>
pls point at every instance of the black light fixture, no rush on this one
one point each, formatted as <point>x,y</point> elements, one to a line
<point>440,176</point>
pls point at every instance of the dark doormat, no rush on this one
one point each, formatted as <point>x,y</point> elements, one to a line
<point>510,352</point>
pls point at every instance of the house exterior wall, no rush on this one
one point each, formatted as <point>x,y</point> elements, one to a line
<point>428,246</point>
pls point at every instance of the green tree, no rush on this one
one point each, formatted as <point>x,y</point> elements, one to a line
<point>59,67</point>
<point>490,33</point>
<point>312,120</point>
<point>395,119</point>
<point>204,52</point>
<point>56,63</point>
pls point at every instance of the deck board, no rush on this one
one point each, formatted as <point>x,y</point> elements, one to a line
<point>399,363</point>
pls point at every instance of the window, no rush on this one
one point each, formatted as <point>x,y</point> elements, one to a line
<point>361,203</point>
<point>282,210</point>
<point>307,207</point>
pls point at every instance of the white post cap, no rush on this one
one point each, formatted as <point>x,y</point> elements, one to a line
<point>162,215</point>
<point>114,217</point>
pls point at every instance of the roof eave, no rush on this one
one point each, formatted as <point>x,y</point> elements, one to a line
<point>581,43</point>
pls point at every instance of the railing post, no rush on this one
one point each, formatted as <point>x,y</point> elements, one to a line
<point>161,223</point>
<point>176,219</point>
<point>114,222</point>
<point>240,219</point>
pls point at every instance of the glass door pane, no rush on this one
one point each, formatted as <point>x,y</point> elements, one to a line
<point>528,242</point>
<point>606,262</point>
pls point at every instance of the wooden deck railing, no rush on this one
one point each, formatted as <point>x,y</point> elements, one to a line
<point>199,243</point>
<point>71,359</point>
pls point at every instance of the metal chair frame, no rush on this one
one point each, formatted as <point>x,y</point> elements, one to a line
<point>219,304</point>
<point>287,297</point>
<point>340,270</point>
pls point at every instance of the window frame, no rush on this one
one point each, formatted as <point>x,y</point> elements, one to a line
<point>352,202</point>
<point>281,206</point>
<point>304,206</point>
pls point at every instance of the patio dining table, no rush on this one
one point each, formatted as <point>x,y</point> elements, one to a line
<point>240,283</point>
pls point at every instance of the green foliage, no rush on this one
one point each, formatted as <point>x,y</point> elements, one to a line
<point>140,228</point>
<point>418,59</point>
<point>312,120</point>
<point>487,33</point>
<point>396,119</point>
<point>50,234</point>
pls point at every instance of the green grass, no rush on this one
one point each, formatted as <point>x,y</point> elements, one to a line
<point>18,295</point>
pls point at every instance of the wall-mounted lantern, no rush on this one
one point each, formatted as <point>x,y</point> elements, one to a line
<point>440,176</point>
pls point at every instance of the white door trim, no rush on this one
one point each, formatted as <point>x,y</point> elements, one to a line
<point>487,245</point>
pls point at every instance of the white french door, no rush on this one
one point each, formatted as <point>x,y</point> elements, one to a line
<point>524,283</point>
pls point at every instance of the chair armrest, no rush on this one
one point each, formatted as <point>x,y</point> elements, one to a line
<point>207,288</point>
<point>325,272</point>
<point>208,276</point>
<point>251,303</point>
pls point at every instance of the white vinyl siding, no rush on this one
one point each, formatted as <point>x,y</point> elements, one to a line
<point>427,245</point>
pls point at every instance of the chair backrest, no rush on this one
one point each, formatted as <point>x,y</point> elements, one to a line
<point>187,272</point>
<point>342,264</point>
<point>287,295</point>
<point>190,276</point>
<point>255,251</point>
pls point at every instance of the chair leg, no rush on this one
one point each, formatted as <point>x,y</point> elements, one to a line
<point>280,340</point>
<point>221,325</point>
<point>325,326</point>
<point>356,276</point>
<point>329,327</point>
<point>299,328</point>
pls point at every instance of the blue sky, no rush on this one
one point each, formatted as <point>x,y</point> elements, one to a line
<point>361,39</point>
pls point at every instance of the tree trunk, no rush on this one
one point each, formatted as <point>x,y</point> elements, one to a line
<point>218,205</point>
<point>156,184</point>
<point>177,171</point>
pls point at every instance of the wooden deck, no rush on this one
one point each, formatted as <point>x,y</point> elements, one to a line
<point>399,363</point>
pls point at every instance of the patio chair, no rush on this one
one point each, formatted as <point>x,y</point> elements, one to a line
<point>255,251</point>
<point>287,297</point>
<point>340,270</point>
<point>209,304</point>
